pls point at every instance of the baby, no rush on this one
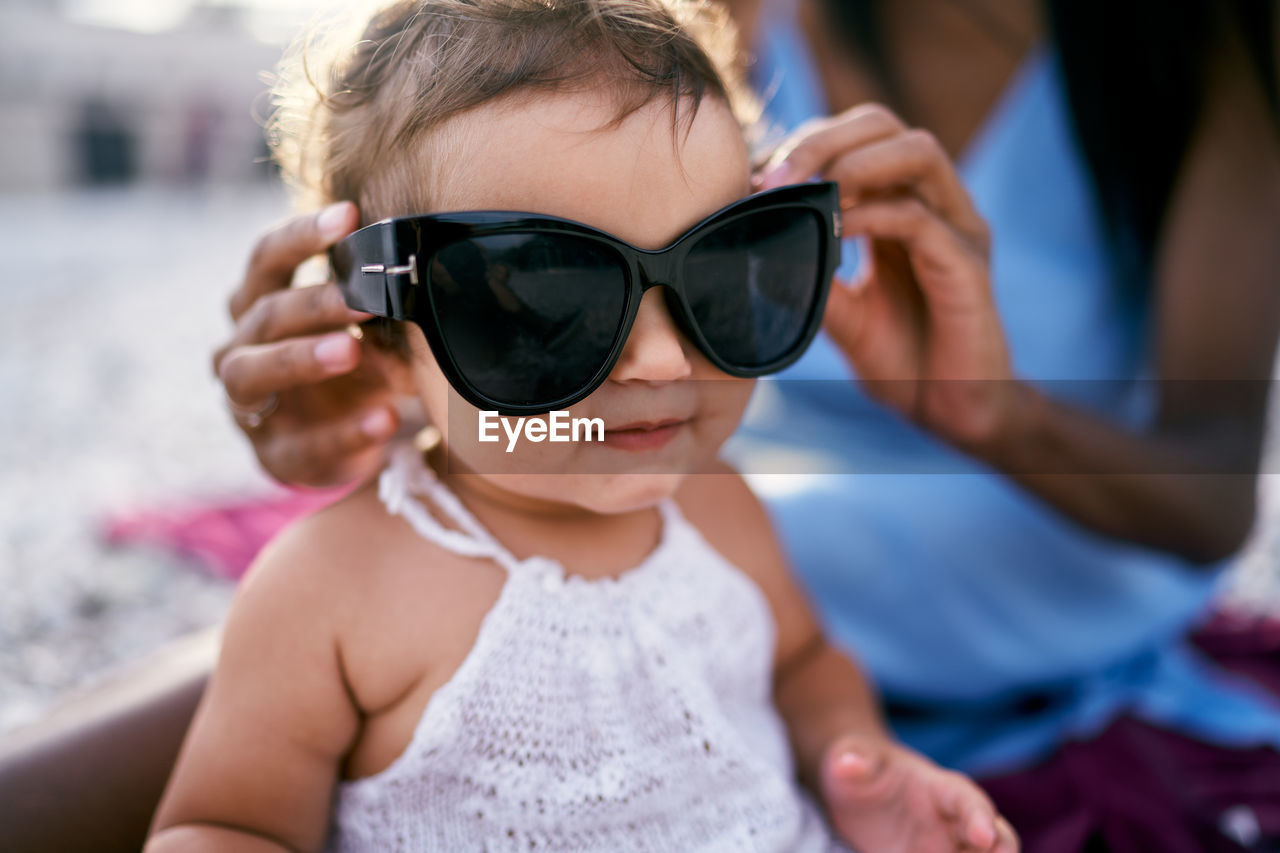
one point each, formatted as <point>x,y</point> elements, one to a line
<point>581,645</point>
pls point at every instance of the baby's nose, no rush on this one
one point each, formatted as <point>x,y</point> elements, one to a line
<point>655,351</point>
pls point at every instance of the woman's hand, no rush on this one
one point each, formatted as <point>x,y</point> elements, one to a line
<point>883,798</point>
<point>307,394</point>
<point>921,328</point>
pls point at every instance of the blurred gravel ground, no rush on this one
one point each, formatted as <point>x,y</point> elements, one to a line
<point>113,303</point>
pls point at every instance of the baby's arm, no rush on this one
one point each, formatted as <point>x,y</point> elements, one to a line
<point>259,765</point>
<point>878,794</point>
<point>819,692</point>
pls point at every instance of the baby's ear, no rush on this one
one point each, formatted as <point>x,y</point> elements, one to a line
<point>396,370</point>
<point>390,367</point>
<point>387,350</point>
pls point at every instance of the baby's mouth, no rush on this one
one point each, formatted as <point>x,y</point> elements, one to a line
<point>644,435</point>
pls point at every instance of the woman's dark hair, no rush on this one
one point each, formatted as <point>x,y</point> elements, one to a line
<point>1135,73</point>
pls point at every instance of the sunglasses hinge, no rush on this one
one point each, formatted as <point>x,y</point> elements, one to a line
<point>410,269</point>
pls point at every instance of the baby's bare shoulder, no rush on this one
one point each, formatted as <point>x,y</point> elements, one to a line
<point>306,571</point>
<point>277,718</point>
<point>399,607</point>
<point>347,547</point>
<point>326,633</point>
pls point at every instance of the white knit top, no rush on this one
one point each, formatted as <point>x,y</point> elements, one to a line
<point>611,715</point>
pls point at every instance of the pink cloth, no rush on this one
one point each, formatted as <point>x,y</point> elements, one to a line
<point>226,537</point>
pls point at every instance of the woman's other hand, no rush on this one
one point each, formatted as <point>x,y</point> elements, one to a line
<point>306,393</point>
<point>920,328</point>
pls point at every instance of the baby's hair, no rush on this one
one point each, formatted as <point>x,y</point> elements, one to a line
<point>355,110</point>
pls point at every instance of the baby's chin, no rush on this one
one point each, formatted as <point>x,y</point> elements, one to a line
<point>630,492</point>
<point>603,494</point>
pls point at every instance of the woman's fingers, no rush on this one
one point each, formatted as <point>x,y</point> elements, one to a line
<point>912,160</point>
<point>297,311</point>
<point>289,313</point>
<point>869,152</point>
<point>816,144</point>
<point>880,323</point>
<point>279,252</point>
<point>334,453</point>
<point>251,373</point>
<point>845,314</point>
<point>938,254</point>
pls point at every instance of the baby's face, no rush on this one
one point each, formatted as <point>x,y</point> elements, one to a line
<point>666,409</point>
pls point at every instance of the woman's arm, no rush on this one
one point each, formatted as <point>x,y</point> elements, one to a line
<point>1217,306</point>
<point>260,762</point>
<point>923,333</point>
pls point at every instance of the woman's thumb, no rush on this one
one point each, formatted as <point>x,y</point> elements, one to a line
<point>843,317</point>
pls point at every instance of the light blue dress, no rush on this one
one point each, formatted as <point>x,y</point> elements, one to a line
<point>959,591</point>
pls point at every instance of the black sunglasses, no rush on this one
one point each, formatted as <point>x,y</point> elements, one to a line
<point>527,313</point>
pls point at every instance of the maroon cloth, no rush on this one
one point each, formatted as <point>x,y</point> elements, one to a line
<point>1137,788</point>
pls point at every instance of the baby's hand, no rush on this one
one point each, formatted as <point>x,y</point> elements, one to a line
<point>882,798</point>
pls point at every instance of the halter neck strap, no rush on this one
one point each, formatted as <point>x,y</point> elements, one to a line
<point>407,475</point>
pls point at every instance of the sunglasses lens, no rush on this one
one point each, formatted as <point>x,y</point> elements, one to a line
<point>752,283</point>
<point>528,319</point>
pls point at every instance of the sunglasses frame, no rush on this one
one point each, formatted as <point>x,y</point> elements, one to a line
<point>383,269</point>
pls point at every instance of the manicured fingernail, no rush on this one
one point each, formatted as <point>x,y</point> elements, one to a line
<point>776,175</point>
<point>333,220</point>
<point>334,352</point>
<point>376,424</point>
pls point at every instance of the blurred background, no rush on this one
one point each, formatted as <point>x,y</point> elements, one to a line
<point>132,183</point>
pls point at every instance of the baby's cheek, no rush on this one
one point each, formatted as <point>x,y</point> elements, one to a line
<point>722,401</point>
<point>437,396</point>
<point>477,441</point>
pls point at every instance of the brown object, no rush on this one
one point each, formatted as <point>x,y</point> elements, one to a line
<point>89,776</point>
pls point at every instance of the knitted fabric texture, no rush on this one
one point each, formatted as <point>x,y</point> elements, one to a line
<point>613,714</point>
